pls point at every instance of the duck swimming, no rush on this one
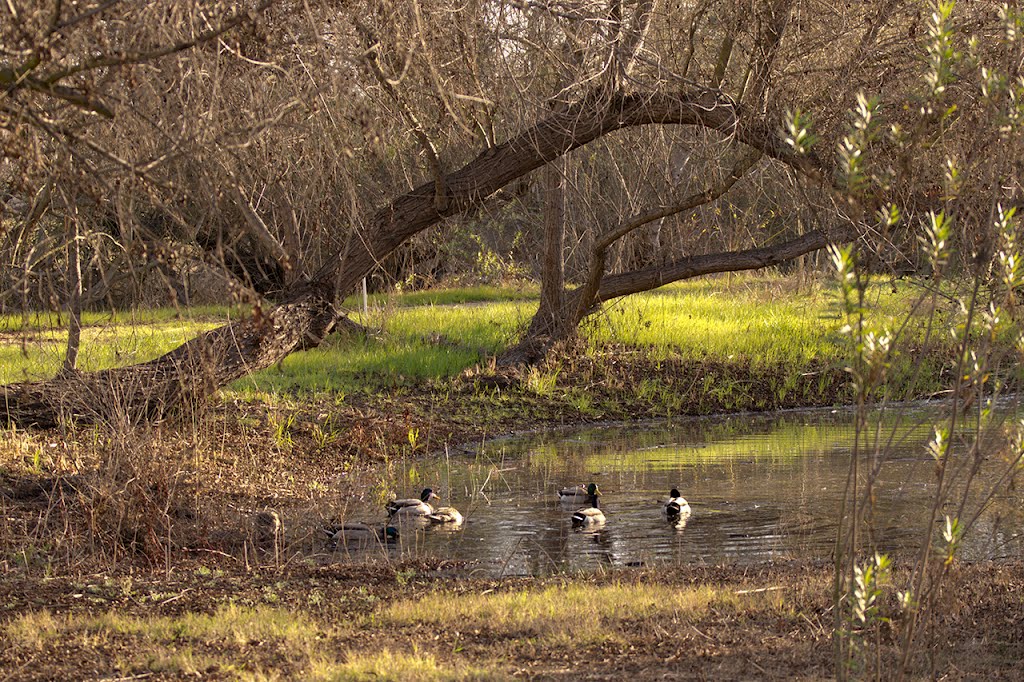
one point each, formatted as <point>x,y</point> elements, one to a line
<point>575,494</point>
<point>449,516</point>
<point>360,534</point>
<point>591,516</point>
<point>412,507</point>
<point>676,506</point>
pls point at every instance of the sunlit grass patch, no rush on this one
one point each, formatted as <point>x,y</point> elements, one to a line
<point>229,624</point>
<point>40,353</point>
<point>198,642</point>
<point>34,630</point>
<point>779,337</point>
<point>393,665</point>
<point>187,644</point>
<point>719,324</point>
<point>574,613</point>
<point>52,321</point>
<point>763,319</point>
<point>445,296</point>
<point>416,344</point>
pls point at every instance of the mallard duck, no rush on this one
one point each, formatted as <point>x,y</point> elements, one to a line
<point>411,507</point>
<point>360,534</point>
<point>676,506</point>
<point>575,494</point>
<point>592,516</point>
<point>449,516</point>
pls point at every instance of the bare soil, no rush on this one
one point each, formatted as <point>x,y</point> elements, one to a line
<point>978,636</point>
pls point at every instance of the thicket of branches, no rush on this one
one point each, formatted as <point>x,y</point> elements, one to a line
<point>280,151</point>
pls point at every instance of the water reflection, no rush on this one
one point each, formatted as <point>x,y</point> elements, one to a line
<point>759,487</point>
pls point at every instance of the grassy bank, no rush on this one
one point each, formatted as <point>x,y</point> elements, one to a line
<point>133,553</point>
<point>399,622</point>
<point>695,347</point>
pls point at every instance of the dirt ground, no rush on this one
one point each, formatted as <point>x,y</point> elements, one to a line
<point>979,635</point>
<point>135,557</point>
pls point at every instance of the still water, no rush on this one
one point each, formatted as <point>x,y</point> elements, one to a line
<point>761,487</point>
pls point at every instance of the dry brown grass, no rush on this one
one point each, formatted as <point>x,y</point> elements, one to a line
<point>348,622</point>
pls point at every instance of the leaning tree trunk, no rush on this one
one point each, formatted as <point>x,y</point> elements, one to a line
<point>584,301</point>
<point>558,319</point>
<point>186,376</point>
<point>192,372</point>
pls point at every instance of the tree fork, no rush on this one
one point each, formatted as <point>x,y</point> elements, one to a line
<point>192,372</point>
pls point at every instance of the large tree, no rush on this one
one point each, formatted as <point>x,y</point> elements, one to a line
<point>297,124</point>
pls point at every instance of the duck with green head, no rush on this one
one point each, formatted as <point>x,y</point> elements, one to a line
<point>412,507</point>
<point>590,516</point>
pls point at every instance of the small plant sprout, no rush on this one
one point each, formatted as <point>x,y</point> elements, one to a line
<point>1008,256</point>
<point>952,178</point>
<point>951,534</point>
<point>325,432</point>
<point>942,56</point>
<point>865,112</point>
<point>938,446</point>
<point>889,216</point>
<point>936,241</point>
<point>867,588</point>
<point>853,146</point>
<point>798,132</point>
<point>869,580</point>
<point>993,83</point>
<point>846,273</point>
<point>283,430</point>
<point>1012,20</point>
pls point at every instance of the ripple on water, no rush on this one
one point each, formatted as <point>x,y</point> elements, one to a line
<point>765,487</point>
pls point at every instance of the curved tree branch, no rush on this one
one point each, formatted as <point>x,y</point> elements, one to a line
<point>646,279</point>
<point>190,373</point>
<point>588,292</point>
<point>575,126</point>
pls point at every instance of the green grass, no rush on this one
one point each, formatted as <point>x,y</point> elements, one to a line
<point>48,321</point>
<point>230,623</point>
<point>751,322</point>
<point>408,350</point>
<point>39,354</point>
<point>765,320</point>
<point>476,294</point>
<point>195,643</point>
<point>442,635</point>
<point>168,644</point>
<point>396,665</point>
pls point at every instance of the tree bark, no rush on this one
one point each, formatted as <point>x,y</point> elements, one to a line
<point>634,282</point>
<point>552,293</point>
<point>189,374</point>
<point>182,378</point>
<point>74,269</point>
<point>546,329</point>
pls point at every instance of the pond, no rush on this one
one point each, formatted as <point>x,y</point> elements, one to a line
<point>760,486</point>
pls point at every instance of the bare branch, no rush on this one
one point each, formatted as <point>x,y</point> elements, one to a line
<point>627,283</point>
